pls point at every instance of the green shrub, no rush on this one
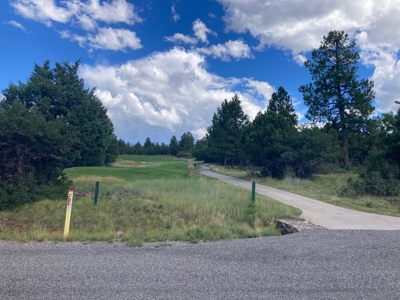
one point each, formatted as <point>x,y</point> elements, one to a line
<point>371,183</point>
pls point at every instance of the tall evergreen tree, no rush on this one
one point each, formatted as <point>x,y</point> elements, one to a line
<point>224,135</point>
<point>266,137</point>
<point>186,143</point>
<point>148,147</point>
<point>59,94</point>
<point>336,95</point>
<point>173,146</point>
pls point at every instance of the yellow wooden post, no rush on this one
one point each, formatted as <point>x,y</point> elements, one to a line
<point>68,214</point>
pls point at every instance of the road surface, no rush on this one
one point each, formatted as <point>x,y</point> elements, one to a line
<point>316,264</point>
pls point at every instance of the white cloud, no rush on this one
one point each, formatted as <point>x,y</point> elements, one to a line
<point>179,37</point>
<point>118,11</point>
<point>261,87</point>
<point>200,31</point>
<point>199,133</point>
<point>167,93</point>
<point>86,13</point>
<point>295,25</point>
<point>45,11</point>
<point>299,27</point>
<point>175,15</point>
<point>106,38</point>
<point>82,40</point>
<point>236,49</point>
<point>86,22</point>
<point>386,77</point>
<point>299,59</point>
<point>114,39</point>
<point>16,24</point>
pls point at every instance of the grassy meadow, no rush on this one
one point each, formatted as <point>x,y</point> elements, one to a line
<point>146,199</point>
<point>324,187</point>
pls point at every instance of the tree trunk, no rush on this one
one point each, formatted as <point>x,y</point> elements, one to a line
<point>233,161</point>
<point>345,143</point>
<point>225,161</point>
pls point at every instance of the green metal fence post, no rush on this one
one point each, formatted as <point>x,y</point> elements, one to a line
<point>96,193</point>
<point>253,191</point>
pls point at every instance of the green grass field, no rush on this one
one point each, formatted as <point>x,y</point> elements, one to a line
<point>324,188</point>
<point>146,199</point>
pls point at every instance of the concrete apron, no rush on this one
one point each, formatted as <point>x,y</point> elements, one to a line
<point>314,211</point>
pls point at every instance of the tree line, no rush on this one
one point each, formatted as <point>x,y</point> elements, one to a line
<point>180,148</point>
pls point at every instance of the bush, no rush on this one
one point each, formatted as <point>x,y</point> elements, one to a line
<point>371,183</point>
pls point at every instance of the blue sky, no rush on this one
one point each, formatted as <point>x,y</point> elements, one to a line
<point>162,67</point>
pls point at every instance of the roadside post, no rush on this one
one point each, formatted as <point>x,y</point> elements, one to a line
<point>68,213</point>
<point>253,191</point>
<point>96,193</point>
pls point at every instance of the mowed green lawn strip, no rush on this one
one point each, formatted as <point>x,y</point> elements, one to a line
<point>138,205</point>
<point>144,167</point>
<point>324,187</point>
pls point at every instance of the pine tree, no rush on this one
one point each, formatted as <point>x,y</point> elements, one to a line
<point>224,135</point>
<point>266,137</point>
<point>336,95</point>
<point>173,146</point>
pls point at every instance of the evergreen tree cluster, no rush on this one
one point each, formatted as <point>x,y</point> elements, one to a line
<point>341,131</point>
<point>47,124</point>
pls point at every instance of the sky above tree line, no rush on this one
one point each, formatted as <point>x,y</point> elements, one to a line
<point>162,67</point>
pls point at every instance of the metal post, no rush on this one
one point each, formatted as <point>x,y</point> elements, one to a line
<point>253,191</point>
<point>96,193</point>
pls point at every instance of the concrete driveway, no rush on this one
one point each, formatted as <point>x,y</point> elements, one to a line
<point>314,211</point>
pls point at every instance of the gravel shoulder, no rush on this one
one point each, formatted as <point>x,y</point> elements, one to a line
<point>314,211</point>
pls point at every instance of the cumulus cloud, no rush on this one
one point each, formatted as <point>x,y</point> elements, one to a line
<point>107,39</point>
<point>261,87</point>
<point>299,27</point>
<point>384,58</point>
<point>16,24</point>
<point>200,31</point>
<point>181,38</point>
<point>87,13</point>
<point>236,49</point>
<point>167,93</point>
<point>114,39</point>
<point>45,11</point>
<point>118,11</point>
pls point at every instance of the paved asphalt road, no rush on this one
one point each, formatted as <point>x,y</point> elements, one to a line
<point>315,264</point>
<point>317,212</point>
